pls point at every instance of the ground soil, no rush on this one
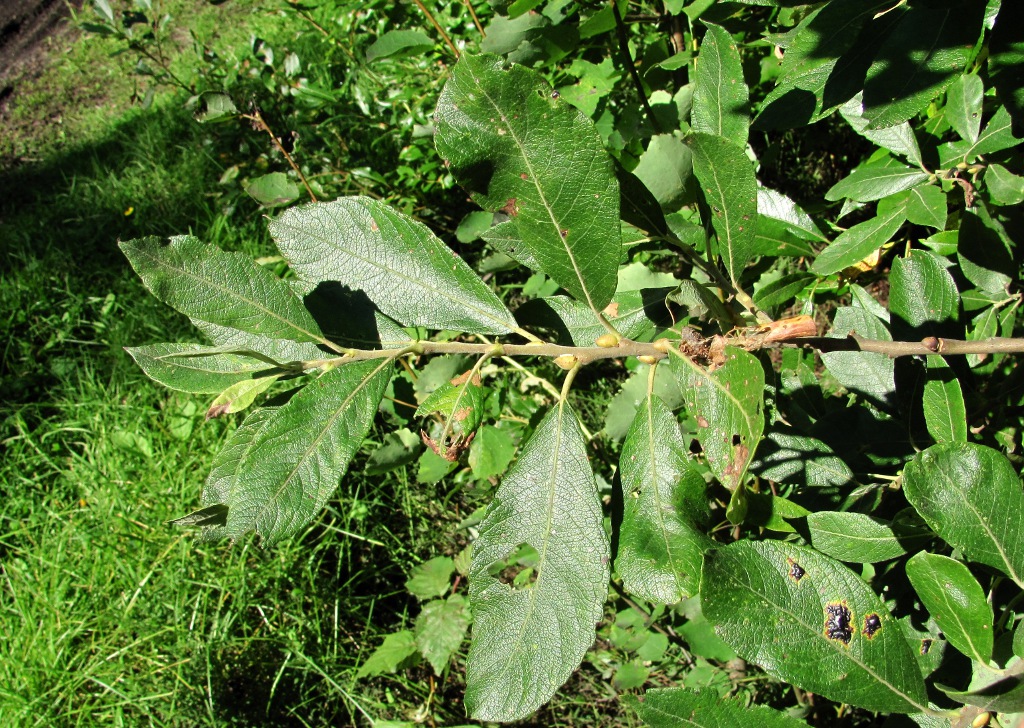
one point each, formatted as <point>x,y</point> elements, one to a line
<point>25,27</point>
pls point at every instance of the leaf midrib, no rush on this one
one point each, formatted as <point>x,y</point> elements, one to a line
<point>333,244</point>
<point>232,293</point>
<point>540,192</point>
<point>838,650</point>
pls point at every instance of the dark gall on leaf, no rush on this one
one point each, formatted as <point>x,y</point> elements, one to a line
<point>926,645</point>
<point>838,622</point>
<point>796,572</point>
<point>872,624</point>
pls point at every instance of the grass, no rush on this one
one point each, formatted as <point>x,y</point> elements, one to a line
<point>110,616</point>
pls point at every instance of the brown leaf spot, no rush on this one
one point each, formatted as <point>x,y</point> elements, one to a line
<point>839,622</point>
<point>524,176</point>
<point>510,208</point>
<point>796,572</point>
<point>872,623</point>
<point>611,310</point>
<point>462,413</point>
<point>702,422</point>
<point>373,226</point>
<point>217,410</point>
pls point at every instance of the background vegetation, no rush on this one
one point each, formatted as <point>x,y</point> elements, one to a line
<point>111,616</point>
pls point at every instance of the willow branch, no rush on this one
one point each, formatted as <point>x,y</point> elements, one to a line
<point>627,60</point>
<point>706,352</point>
<point>927,345</point>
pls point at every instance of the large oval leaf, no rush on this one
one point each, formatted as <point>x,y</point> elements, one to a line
<point>971,496</point>
<point>405,270</point>
<point>539,160</point>
<point>281,465</point>
<point>810,621</point>
<point>213,285</point>
<point>673,707</point>
<point>727,178</point>
<point>528,638</point>
<point>956,600</point>
<point>665,509</point>
<point>720,98</point>
<point>727,404</point>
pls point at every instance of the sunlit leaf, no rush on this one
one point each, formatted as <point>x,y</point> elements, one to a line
<point>674,707</point>
<point>528,640</point>
<point>227,289</point>
<point>956,601</point>
<point>727,178</point>
<point>810,621</point>
<point>517,149</point>
<point>971,496</point>
<point>665,511</point>
<point>405,270</point>
<point>720,98</point>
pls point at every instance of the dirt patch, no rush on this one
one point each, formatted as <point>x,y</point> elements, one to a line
<point>25,26</point>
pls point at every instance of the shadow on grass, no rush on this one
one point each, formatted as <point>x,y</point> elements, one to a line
<point>68,292</point>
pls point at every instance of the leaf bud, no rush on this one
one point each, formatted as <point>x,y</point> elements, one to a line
<point>981,720</point>
<point>607,341</point>
<point>566,361</point>
<point>646,359</point>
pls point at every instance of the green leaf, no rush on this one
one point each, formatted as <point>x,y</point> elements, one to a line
<point>440,629</point>
<point>963,106</point>
<point>405,270</point>
<point>864,238</point>
<point>666,169</point>
<point>460,403</point>
<point>491,452</point>
<point>922,295</point>
<point>971,496</point>
<point>783,290</point>
<point>926,51</point>
<point>721,101</point>
<point>785,457</point>
<point>865,372</point>
<point>727,405</point>
<point>815,61</point>
<point>810,621</point>
<point>665,511</point>
<point>273,190</point>
<point>195,368</point>
<point>227,289</point>
<point>542,162</point>
<point>624,405</point>
<point>214,105</point>
<point>854,537</point>
<point>392,655</point>
<point>674,707</point>
<point>277,474</point>
<point>630,676</point>
<point>874,181</point>
<point>239,396</point>
<point>997,135</point>
<point>431,579</point>
<point>1004,187</point>
<point>727,178</point>
<point>776,206</point>
<point>1006,60</point>
<point>926,205</point>
<point>634,314</point>
<point>772,512</point>
<point>1001,692</point>
<point>982,252</point>
<point>898,139</point>
<point>527,641</point>
<point>945,414</point>
<point>395,42</point>
<point>956,601</point>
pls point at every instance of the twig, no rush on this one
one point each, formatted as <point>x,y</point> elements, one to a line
<point>438,27</point>
<point>476,20</point>
<point>927,345</point>
<point>260,124</point>
<point>627,59</point>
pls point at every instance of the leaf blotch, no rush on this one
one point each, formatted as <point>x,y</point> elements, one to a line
<point>796,572</point>
<point>838,622</point>
<point>872,623</point>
